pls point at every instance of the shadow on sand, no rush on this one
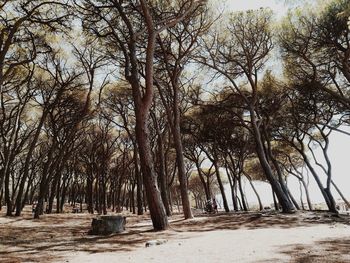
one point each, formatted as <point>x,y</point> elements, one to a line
<point>56,236</point>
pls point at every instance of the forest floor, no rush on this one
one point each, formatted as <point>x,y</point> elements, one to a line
<point>234,237</point>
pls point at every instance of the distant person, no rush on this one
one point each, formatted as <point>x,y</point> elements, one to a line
<point>215,206</point>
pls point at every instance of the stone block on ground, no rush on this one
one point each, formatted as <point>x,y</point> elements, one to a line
<point>106,225</point>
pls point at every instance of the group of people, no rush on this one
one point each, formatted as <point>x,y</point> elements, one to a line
<point>211,206</point>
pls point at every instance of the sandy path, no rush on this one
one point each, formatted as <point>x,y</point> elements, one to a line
<point>243,245</point>
<point>302,237</point>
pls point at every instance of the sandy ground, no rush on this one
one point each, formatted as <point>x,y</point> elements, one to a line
<point>235,237</point>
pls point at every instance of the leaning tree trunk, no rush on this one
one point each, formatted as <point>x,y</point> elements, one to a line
<point>275,202</point>
<point>245,207</point>
<point>234,183</point>
<point>341,194</point>
<point>328,199</point>
<point>255,191</point>
<point>143,104</point>
<point>329,174</point>
<point>221,186</point>
<point>296,205</point>
<point>287,206</point>
<point>333,207</point>
<point>214,160</point>
<point>156,207</point>
<point>201,177</point>
<point>282,182</point>
<point>308,199</point>
<point>28,159</point>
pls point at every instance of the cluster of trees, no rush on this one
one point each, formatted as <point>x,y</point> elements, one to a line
<point>103,103</point>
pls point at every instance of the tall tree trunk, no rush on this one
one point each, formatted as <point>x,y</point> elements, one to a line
<point>326,194</point>
<point>301,195</point>
<point>8,199</point>
<point>142,108</point>
<point>90,193</point>
<point>119,193</point>
<point>221,186</point>
<point>214,161</point>
<point>39,210</point>
<point>329,173</point>
<point>97,194</point>
<point>65,184</point>
<point>43,186</point>
<point>133,198</point>
<point>287,206</point>
<point>162,173</point>
<point>103,191</point>
<point>156,207</point>
<point>29,155</point>
<point>201,177</point>
<point>232,186</point>
<point>245,208</point>
<point>144,201</point>
<point>138,181</point>
<point>53,193</point>
<point>174,122</point>
<point>5,175</point>
<point>308,199</point>
<point>58,195</point>
<point>1,195</point>
<point>275,202</point>
<point>235,204</point>
<point>180,157</point>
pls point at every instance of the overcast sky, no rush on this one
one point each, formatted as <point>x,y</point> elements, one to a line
<point>277,5</point>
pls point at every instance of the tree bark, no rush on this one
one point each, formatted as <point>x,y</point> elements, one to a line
<point>245,208</point>
<point>287,206</point>
<point>221,186</point>
<point>341,194</point>
<point>326,194</point>
<point>156,207</point>
<point>180,157</point>
<point>138,181</point>
<point>261,207</point>
<point>162,173</point>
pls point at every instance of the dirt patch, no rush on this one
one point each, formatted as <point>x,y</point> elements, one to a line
<point>330,251</point>
<point>55,236</point>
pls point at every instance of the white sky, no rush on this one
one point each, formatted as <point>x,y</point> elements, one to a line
<point>339,143</point>
<point>239,5</point>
